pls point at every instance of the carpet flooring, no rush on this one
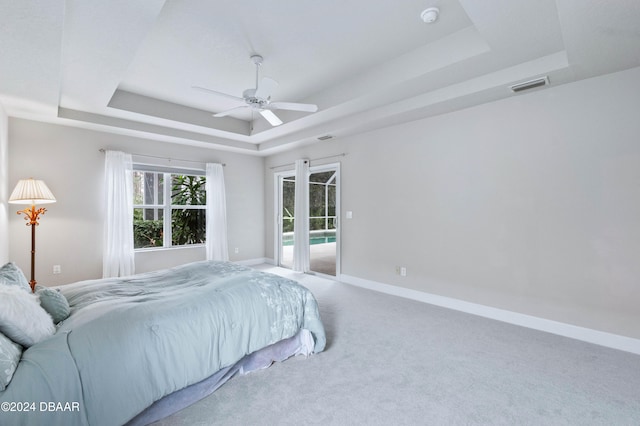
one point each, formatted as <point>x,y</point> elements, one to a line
<point>393,361</point>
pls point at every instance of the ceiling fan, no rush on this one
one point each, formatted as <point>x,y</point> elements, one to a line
<point>259,99</point>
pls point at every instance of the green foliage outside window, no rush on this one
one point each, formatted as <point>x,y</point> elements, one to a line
<point>146,233</point>
<point>187,224</point>
<point>288,203</point>
<point>322,202</point>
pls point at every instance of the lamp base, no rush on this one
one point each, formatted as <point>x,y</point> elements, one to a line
<point>31,216</point>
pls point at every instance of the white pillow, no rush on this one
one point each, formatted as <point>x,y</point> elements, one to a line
<point>22,319</point>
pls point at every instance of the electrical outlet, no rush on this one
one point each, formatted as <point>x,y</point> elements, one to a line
<point>403,271</point>
<point>57,269</point>
<point>236,250</point>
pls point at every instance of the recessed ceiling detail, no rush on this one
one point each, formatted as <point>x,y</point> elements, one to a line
<point>128,67</point>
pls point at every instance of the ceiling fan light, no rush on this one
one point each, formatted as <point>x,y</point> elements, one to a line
<point>270,117</point>
<point>259,98</point>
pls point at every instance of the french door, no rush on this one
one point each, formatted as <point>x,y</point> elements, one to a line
<point>323,215</point>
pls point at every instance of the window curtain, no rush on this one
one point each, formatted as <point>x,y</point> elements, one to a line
<point>216,214</point>
<point>118,256</point>
<point>301,224</point>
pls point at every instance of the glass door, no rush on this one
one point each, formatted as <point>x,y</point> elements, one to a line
<point>287,196</point>
<point>322,215</point>
<point>323,221</point>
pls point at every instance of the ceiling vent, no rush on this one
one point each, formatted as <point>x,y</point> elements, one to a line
<point>538,82</point>
<point>325,137</point>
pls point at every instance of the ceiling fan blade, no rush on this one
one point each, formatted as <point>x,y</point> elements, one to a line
<point>229,111</point>
<point>265,88</point>
<point>294,106</point>
<point>204,89</point>
<point>270,117</point>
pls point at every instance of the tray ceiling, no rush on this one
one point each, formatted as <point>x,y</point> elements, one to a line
<point>129,67</point>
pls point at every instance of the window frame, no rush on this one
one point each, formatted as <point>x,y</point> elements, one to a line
<point>167,206</point>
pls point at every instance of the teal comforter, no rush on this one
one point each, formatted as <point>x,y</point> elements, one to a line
<point>130,341</point>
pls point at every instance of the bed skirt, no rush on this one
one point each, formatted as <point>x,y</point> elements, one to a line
<point>300,344</point>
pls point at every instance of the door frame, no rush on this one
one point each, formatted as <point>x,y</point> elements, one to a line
<point>278,176</point>
<point>277,240</point>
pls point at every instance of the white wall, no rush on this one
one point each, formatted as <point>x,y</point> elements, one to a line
<point>530,204</point>
<point>70,233</point>
<point>4,188</point>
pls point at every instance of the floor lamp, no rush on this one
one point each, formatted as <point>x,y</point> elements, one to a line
<point>32,192</point>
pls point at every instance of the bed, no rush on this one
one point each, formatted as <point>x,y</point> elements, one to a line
<point>137,348</point>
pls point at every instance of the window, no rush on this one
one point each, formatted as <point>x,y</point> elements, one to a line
<point>169,209</point>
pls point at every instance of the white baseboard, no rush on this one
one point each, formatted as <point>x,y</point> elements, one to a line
<point>253,262</point>
<point>601,338</point>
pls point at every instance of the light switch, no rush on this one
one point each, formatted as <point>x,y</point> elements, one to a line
<point>349,215</point>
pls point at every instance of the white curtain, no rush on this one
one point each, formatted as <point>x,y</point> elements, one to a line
<point>118,255</point>
<point>216,214</point>
<point>301,213</point>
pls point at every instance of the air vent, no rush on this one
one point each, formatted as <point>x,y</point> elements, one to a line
<point>325,137</point>
<point>538,82</point>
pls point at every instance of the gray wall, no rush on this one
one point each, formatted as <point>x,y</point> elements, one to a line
<point>4,188</point>
<point>71,231</point>
<point>530,204</point>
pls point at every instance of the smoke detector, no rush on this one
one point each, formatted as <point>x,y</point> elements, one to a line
<point>430,15</point>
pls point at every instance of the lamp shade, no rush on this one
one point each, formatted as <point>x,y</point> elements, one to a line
<point>31,191</point>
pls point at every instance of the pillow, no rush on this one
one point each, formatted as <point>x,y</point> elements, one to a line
<point>10,354</point>
<point>54,303</point>
<point>10,274</point>
<point>22,319</point>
